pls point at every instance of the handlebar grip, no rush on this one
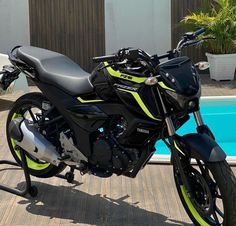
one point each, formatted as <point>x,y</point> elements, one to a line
<point>105,58</point>
<point>199,32</point>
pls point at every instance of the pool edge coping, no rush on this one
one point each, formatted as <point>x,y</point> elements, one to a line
<point>218,97</point>
<point>165,159</point>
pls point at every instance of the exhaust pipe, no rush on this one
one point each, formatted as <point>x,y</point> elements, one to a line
<point>29,139</point>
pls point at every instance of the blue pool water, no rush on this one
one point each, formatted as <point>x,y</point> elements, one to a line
<point>220,115</point>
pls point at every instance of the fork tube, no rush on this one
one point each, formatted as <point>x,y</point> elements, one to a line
<point>170,126</point>
<point>198,118</point>
<point>168,120</point>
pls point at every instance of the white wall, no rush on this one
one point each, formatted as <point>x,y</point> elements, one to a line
<point>145,24</point>
<point>14,24</point>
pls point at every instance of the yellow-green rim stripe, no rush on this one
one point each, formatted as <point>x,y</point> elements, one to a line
<point>178,149</point>
<point>118,74</point>
<point>140,102</point>
<point>31,164</point>
<point>193,211</point>
<point>88,101</point>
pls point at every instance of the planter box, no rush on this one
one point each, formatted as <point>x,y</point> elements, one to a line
<point>222,66</point>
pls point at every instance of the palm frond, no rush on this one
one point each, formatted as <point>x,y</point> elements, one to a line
<point>220,23</point>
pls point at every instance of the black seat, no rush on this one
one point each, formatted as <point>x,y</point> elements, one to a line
<point>56,69</point>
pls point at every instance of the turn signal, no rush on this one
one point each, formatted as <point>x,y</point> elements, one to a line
<point>151,81</point>
<point>202,65</point>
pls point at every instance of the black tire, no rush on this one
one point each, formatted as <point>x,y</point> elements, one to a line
<point>226,183</point>
<point>43,171</point>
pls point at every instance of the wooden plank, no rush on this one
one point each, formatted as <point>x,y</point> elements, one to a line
<point>148,199</point>
<point>75,28</point>
<point>179,9</point>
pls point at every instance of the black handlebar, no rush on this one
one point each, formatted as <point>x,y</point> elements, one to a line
<point>126,53</point>
<point>193,35</point>
<point>189,39</point>
<point>105,58</point>
<point>199,32</point>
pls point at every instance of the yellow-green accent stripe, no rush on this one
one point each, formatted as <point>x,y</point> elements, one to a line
<point>31,164</point>
<point>165,87</point>
<point>140,102</point>
<point>193,211</point>
<point>177,148</point>
<point>120,75</point>
<point>88,101</point>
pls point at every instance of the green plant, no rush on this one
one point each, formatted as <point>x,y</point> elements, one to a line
<point>219,19</point>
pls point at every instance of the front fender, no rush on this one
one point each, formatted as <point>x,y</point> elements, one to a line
<point>202,147</point>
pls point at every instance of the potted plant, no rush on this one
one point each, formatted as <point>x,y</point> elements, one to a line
<point>219,20</point>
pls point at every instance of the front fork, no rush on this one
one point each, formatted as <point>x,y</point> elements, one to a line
<point>201,128</point>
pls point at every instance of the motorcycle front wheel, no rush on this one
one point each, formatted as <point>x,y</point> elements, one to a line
<point>212,197</point>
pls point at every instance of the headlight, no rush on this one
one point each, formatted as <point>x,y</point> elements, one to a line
<point>173,94</point>
<point>185,102</point>
<point>180,99</point>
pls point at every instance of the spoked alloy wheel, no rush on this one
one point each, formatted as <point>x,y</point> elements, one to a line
<point>29,107</point>
<point>213,193</point>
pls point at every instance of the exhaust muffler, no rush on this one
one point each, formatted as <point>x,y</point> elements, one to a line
<point>28,138</point>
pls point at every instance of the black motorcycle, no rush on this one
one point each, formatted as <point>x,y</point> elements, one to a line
<point>109,121</point>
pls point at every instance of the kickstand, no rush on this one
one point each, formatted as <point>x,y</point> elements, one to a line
<point>32,190</point>
<point>69,176</point>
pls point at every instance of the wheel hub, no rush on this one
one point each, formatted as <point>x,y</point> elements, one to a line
<point>201,195</point>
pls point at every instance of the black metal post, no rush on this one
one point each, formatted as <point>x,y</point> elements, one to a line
<point>32,190</point>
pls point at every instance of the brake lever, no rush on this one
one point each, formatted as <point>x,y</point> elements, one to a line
<point>198,43</point>
<point>193,43</point>
<point>208,38</point>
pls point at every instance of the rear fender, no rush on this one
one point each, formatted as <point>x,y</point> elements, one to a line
<point>202,147</point>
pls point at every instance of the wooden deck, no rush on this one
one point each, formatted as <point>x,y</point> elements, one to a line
<point>150,199</point>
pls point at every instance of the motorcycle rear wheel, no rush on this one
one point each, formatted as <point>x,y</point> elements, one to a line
<point>37,168</point>
<point>216,191</point>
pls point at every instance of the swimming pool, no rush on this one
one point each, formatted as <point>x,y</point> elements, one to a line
<point>219,113</point>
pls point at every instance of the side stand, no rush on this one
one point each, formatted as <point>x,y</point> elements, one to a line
<point>32,190</point>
